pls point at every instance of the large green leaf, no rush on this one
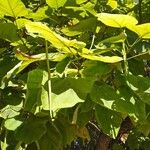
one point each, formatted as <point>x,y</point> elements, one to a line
<point>21,22</point>
<point>141,86</point>
<point>61,85</point>
<point>39,57</point>
<point>12,124</point>
<point>36,79</point>
<point>138,83</point>
<point>13,8</point>
<point>40,14</point>
<point>109,121</point>
<point>7,29</point>
<point>26,60</point>
<point>104,95</point>
<point>116,20</point>
<point>56,3</point>
<point>143,30</point>
<point>61,43</point>
<point>82,26</point>
<point>31,130</point>
<point>64,100</point>
<point>95,69</point>
<point>127,102</point>
<point>52,139</point>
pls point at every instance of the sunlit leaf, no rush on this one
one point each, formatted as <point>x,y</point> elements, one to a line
<point>65,100</point>
<point>56,3</point>
<point>26,59</point>
<point>51,56</point>
<point>106,59</point>
<point>116,20</point>
<point>13,8</point>
<point>112,3</point>
<point>143,30</point>
<point>40,14</point>
<point>89,7</point>
<point>12,124</point>
<point>61,43</point>
<point>10,111</point>
<point>21,22</point>
<point>80,1</point>
<point>82,26</point>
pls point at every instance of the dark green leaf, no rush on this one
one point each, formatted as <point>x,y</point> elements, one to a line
<point>7,29</point>
<point>31,130</point>
<point>52,139</point>
<point>109,121</point>
<point>36,79</point>
<point>60,67</point>
<point>104,95</point>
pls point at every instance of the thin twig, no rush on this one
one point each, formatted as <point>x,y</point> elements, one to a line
<point>94,125</point>
<point>125,58</point>
<point>138,55</point>
<point>92,43</point>
<point>49,79</point>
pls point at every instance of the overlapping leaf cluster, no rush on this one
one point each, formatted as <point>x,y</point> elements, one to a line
<point>98,52</point>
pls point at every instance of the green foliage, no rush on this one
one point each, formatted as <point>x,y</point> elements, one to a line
<point>56,4</point>
<point>67,63</point>
<point>14,9</point>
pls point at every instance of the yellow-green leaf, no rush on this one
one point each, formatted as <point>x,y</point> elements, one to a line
<point>21,22</point>
<point>116,20</point>
<point>40,14</point>
<point>143,30</point>
<point>112,3</point>
<point>56,3</point>
<point>106,59</point>
<point>80,1</point>
<point>26,59</point>
<point>59,42</point>
<point>13,8</point>
<point>115,39</point>
<point>64,100</point>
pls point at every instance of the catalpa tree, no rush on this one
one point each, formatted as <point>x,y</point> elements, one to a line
<point>74,74</point>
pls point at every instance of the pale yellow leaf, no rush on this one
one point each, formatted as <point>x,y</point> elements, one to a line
<point>116,20</point>
<point>143,30</point>
<point>106,59</point>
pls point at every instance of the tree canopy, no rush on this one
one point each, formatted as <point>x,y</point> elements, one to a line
<point>74,74</point>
